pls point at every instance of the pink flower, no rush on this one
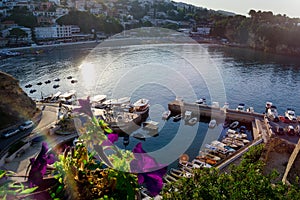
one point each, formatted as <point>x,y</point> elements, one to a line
<point>149,171</point>
<point>85,107</point>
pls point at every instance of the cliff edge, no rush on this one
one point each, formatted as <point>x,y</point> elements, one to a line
<point>15,105</point>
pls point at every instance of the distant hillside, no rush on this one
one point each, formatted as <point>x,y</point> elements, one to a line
<point>262,30</point>
<point>15,105</point>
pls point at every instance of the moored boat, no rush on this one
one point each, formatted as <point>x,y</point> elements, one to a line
<point>201,101</point>
<point>177,117</point>
<point>28,86</point>
<point>234,124</point>
<point>241,107</point>
<point>187,115</point>
<point>200,164</point>
<point>290,114</point>
<point>193,121</point>
<point>166,114</point>
<point>208,155</point>
<point>212,123</point>
<point>141,106</point>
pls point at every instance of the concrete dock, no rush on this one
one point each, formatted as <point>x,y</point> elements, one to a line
<point>202,110</point>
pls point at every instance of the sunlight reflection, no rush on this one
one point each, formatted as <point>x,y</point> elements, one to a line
<point>88,74</point>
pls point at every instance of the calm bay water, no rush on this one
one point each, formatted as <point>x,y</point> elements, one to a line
<point>162,72</point>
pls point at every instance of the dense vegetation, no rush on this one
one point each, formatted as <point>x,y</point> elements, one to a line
<point>22,17</point>
<point>245,181</point>
<point>263,30</point>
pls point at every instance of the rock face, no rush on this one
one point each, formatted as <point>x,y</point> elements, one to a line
<point>15,105</point>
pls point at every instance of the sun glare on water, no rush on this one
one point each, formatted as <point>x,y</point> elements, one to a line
<point>88,74</point>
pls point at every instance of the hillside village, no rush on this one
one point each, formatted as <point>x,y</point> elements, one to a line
<point>27,22</point>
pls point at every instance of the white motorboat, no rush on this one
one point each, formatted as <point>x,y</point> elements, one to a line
<point>141,106</point>
<point>200,164</point>
<point>290,114</point>
<point>166,115</point>
<point>212,123</point>
<point>268,106</point>
<point>234,125</point>
<point>201,101</point>
<point>232,141</point>
<point>177,117</point>
<point>237,135</point>
<point>180,173</point>
<point>222,145</point>
<point>187,115</point>
<point>193,121</point>
<point>241,107</point>
<point>272,113</point>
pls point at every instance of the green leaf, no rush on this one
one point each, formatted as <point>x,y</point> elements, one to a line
<point>2,173</point>
<point>29,190</point>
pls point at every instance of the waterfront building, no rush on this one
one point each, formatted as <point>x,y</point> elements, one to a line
<point>54,32</point>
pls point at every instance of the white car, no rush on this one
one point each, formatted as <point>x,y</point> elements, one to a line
<point>26,125</point>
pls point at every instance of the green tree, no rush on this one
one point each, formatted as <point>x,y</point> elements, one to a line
<point>245,181</point>
<point>17,33</point>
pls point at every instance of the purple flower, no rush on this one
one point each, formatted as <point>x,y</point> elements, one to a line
<point>85,107</point>
<point>111,139</point>
<point>39,166</point>
<point>149,171</point>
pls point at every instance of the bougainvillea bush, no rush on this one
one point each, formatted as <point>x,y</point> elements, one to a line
<point>87,171</point>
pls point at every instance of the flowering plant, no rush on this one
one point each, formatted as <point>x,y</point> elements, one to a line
<point>86,171</point>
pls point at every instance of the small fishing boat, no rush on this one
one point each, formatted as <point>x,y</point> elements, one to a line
<point>187,115</point>
<point>234,125</point>
<point>177,117</point>
<point>32,91</point>
<point>184,158</point>
<point>180,173</point>
<point>206,160</point>
<point>55,86</point>
<point>212,123</point>
<point>28,86</point>
<point>39,83</point>
<point>232,142</point>
<point>48,81</point>
<point>168,179</point>
<point>201,101</point>
<point>210,156</point>
<point>57,79</point>
<point>200,164</point>
<point>166,115</point>
<point>236,135</point>
<point>193,121</point>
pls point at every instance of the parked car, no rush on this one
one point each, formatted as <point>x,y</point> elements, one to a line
<point>10,132</point>
<point>26,125</point>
